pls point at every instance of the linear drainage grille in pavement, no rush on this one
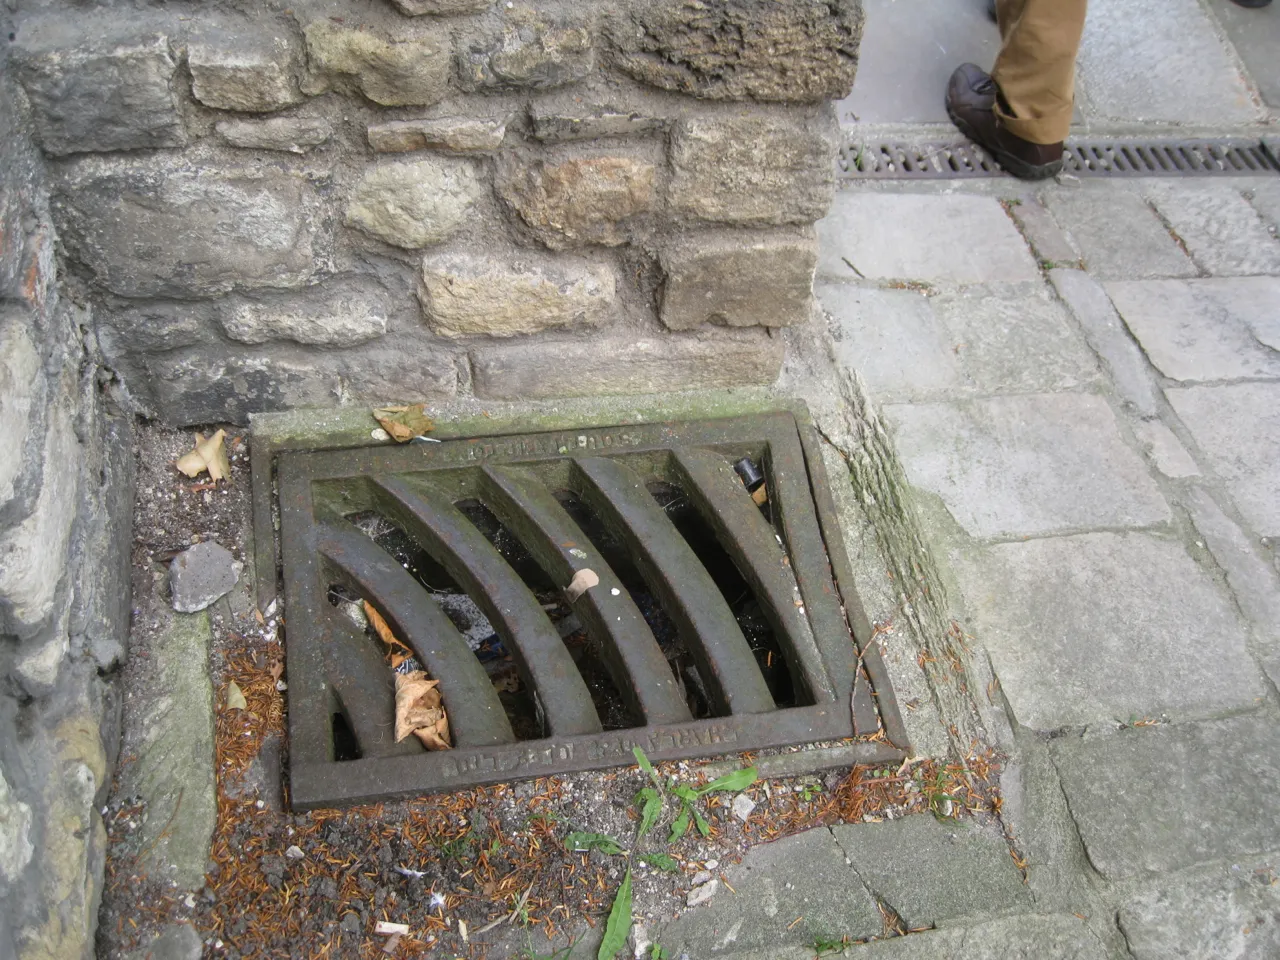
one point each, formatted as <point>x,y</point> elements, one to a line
<point>718,624</point>
<point>1097,158</point>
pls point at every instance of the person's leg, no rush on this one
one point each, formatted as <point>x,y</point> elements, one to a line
<point>1023,128</point>
<point>1036,67</point>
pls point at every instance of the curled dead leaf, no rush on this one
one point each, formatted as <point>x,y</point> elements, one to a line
<point>404,423</point>
<point>582,581</point>
<point>209,454</point>
<point>420,711</point>
<point>235,697</point>
<point>397,652</point>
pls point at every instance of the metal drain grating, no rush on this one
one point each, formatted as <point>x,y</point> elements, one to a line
<point>1093,158</point>
<point>718,625</point>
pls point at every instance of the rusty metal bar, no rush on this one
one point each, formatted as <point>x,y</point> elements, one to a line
<point>561,549</point>
<point>476,717</point>
<point>540,655</point>
<point>365,686</point>
<point>676,575</point>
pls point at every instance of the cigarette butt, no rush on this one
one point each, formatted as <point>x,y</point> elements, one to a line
<point>385,928</point>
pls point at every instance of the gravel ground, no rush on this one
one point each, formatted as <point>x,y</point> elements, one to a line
<point>315,884</point>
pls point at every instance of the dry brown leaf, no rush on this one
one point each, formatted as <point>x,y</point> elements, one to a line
<point>235,697</point>
<point>420,710</point>
<point>209,454</point>
<point>404,423</point>
<point>582,581</point>
<point>277,669</point>
<point>383,630</point>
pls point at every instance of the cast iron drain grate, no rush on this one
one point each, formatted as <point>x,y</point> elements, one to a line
<point>1093,158</point>
<point>718,624</point>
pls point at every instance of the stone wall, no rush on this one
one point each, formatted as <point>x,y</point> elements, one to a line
<point>65,502</point>
<point>275,204</point>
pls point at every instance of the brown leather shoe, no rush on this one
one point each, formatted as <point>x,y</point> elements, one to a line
<point>971,99</point>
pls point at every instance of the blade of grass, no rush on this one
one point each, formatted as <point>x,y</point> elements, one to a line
<point>618,926</point>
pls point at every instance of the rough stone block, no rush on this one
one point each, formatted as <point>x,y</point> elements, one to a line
<point>1119,235</point>
<point>294,134</point>
<point>1063,617</point>
<point>737,281</point>
<point>904,236</point>
<point>341,322</point>
<point>479,296</point>
<point>16,849</point>
<point>931,870</point>
<point>175,754</point>
<point>1223,233</point>
<point>395,71</point>
<point>152,327</point>
<point>555,124</point>
<point>33,554</point>
<point>771,893</point>
<point>416,204</point>
<point>225,385</point>
<point>252,77</point>
<point>102,96</point>
<point>40,660</point>
<point>581,201</point>
<point>1156,799</point>
<point>1224,912</point>
<point>751,170</point>
<point>440,8</point>
<point>1026,465</point>
<point>1105,333</point>
<point>160,228</point>
<point>789,51</point>
<point>454,134</point>
<point>75,840</point>
<point>1238,428</point>
<point>21,389</point>
<point>534,54</point>
<point>606,366</point>
<point>1198,330</point>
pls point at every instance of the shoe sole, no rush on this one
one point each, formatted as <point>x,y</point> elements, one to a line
<point>1011,164</point>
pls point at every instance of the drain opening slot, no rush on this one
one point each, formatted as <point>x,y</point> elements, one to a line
<point>748,609</point>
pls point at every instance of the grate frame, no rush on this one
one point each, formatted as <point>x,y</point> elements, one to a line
<point>960,159</point>
<point>328,667</point>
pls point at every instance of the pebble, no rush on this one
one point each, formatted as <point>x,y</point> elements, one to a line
<point>701,894</point>
<point>200,575</point>
<point>701,877</point>
<point>742,807</point>
<point>294,852</point>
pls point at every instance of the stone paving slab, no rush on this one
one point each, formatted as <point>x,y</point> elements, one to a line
<point>1223,912</point>
<point>1152,800</point>
<point>1093,310</point>
<point>909,346</point>
<point>933,37</point>
<point>956,238</point>
<point>1106,627</point>
<point>1255,35</point>
<point>1222,231</point>
<point>1265,194</point>
<point>771,893</point>
<point>1237,426</point>
<point>1180,71</point>
<point>1165,450</point>
<point>1118,234</point>
<point>1026,937</point>
<point>930,870</point>
<point>1200,330</point>
<point>1026,465</point>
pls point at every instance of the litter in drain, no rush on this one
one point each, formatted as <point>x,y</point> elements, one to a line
<point>722,620</point>
<point>959,159</point>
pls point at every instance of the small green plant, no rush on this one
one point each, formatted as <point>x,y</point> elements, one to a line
<point>656,952</point>
<point>663,861</point>
<point>494,846</point>
<point>824,946</point>
<point>809,791</point>
<point>618,926</point>
<point>459,848</point>
<point>580,842</point>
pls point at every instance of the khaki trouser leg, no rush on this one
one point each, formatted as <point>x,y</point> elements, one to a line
<point>1036,67</point>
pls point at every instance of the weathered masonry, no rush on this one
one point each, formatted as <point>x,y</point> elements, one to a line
<point>305,203</point>
<point>210,209</point>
